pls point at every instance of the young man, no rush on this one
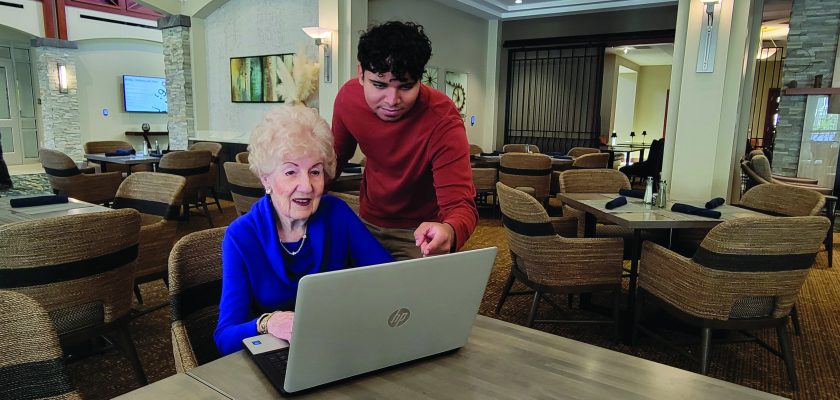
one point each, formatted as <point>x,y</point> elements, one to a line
<point>417,195</point>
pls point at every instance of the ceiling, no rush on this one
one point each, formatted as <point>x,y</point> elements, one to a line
<point>508,9</point>
<point>648,54</point>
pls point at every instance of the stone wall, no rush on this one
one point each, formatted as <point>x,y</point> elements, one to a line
<point>59,112</point>
<point>179,82</point>
<point>812,50</point>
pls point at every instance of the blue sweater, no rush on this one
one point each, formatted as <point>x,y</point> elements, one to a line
<point>255,278</point>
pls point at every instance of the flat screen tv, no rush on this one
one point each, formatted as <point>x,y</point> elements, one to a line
<point>144,94</point>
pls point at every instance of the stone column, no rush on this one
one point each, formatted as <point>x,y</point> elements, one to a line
<point>179,81</point>
<point>59,112</point>
<point>812,50</point>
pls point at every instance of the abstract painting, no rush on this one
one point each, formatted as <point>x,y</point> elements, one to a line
<point>456,89</point>
<point>255,79</point>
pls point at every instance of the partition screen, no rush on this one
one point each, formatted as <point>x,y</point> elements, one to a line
<point>554,97</point>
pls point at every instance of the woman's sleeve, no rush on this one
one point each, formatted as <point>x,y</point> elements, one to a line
<point>364,248</point>
<point>235,319</point>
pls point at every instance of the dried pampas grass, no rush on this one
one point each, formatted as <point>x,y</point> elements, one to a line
<point>299,84</point>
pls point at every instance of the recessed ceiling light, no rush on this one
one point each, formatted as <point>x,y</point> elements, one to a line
<point>518,1</point>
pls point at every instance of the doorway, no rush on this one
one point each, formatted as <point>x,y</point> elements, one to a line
<point>9,115</point>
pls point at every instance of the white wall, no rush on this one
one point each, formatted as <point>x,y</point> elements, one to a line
<point>79,28</point>
<point>101,63</point>
<point>459,43</point>
<point>243,28</point>
<point>625,105</point>
<point>651,95</point>
<point>29,19</point>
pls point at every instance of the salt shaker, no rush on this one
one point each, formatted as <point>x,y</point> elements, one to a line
<point>648,199</point>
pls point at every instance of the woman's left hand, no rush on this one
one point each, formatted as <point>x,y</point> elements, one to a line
<point>280,325</point>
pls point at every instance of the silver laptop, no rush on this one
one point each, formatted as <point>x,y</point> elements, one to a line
<point>358,320</point>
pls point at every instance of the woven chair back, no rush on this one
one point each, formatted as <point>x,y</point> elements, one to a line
<point>57,164</point>
<point>763,261</point>
<point>107,146</point>
<point>783,200</point>
<point>527,170</point>
<point>540,252</point>
<point>579,151</point>
<point>245,187</point>
<point>756,152</point>
<point>475,150</point>
<point>761,167</point>
<point>242,157</point>
<point>195,288</point>
<point>151,193</point>
<point>191,164</point>
<point>593,181</point>
<point>213,147</point>
<point>592,161</point>
<point>484,179</point>
<point>31,360</point>
<point>79,267</point>
<point>519,148</point>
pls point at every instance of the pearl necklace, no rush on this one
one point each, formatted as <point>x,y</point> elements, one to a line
<point>300,247</point>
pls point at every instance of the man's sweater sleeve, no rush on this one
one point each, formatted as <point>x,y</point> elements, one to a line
<point>452,173</point>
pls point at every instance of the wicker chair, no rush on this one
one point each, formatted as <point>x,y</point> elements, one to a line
<point>520,148</point>
<point>193,165</point>
<point>790,179</point>
<point>84,279</point>
<point>157,197</point>
<point>245,187</point>
<point>484,180</point>
<point>746,275</point>
<point>30,352</point>
<point>592,161</point>
<point>475,150</point>
<point>212,176</point>
<point>195,288</point>
<point>594,181</point>
<point>66,178</point>
<point>523,170</point>
<point>549,263</point>
<point>110,146</point>
<point>579,151</point>
<point>242,157</point>
<point>758,171</point>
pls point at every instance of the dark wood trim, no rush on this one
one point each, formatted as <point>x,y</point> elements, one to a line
<point>606,40</point>
<point>61,17</point>
<point>807,91</point>
<point>49,18</point>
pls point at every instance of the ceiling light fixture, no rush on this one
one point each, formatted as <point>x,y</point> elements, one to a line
<point>518,1</point>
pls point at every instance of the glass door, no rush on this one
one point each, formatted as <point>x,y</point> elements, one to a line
<point>9,115</point>
<point>820,142</point>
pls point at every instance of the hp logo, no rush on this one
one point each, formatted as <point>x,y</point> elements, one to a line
<point>398,317</point>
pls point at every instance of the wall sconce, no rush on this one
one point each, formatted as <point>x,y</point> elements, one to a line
<point>708,37</point>
<point>322,37</point>
<point>62,78</point>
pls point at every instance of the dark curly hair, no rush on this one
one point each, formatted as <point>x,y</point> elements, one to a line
<point>397,47</point>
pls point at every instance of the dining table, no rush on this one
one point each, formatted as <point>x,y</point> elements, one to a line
<point>9,214</point>
<point>639,217</point>
<point>131,159</point>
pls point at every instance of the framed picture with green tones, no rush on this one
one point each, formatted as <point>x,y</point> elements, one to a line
<point>257,79</point>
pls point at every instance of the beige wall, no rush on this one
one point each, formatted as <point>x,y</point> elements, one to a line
<point>651,95</point>
<point>101,63</point>
<point>29,19</point>
<point>458,43</point>
<point>758,104</point>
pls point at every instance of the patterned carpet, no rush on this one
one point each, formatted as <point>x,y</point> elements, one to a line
<point>817,350</point>
<point>25,185</point>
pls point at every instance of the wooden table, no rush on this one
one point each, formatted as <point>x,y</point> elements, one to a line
<point>626,149</point>
<point>500,361</point>
<point>73,207</point>
<point>638,217</point>
<point>557,164</point>
<point>104,160</point>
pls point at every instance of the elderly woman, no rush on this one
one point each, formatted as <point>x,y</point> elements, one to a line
<point>291,232</point>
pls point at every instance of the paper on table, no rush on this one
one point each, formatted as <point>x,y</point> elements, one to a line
<point>50,208</point>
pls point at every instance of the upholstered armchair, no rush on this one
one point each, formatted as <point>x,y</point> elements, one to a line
<point>745,276</point>
<point>66,178</point>
<point>550,263</point>
<point>195,289</point>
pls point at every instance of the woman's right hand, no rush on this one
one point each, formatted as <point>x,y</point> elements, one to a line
<point>280,325</point>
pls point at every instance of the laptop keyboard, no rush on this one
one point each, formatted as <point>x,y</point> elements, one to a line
<point>273,365</point>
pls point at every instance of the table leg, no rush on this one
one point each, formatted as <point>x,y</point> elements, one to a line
<point>103,167</point>
<point>635,253</point>
<point>830,212</point>
<point>612,159</point>
<point>589,225</point>
<point>641,155</point>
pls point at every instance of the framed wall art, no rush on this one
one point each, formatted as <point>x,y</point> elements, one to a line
<point>430,77</point>
<point>456,89</point>
<point>256,79</point>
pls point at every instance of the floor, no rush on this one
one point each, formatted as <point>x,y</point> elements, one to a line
<point>26,169</point>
